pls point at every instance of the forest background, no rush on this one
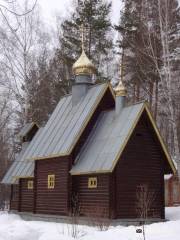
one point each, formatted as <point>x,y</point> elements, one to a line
<point>142,49</point>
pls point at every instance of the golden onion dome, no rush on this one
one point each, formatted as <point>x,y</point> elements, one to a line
<point>83,65</point>
<point>120,90</point>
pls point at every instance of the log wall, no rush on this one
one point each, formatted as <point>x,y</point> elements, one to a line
<point>27,196</point>
<point>93,202</point>
<point>14,202</point>
<point>141,164</point>
<point>52,201</point>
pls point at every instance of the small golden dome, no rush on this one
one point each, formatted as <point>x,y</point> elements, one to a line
<point>83,65</point>
<point>120,90</point>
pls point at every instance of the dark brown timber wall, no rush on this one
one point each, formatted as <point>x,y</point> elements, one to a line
<point>141,164</point>
<point>14,203</point>
<point>93,202</point>
<point>27,196</point>
<point>52,201</point>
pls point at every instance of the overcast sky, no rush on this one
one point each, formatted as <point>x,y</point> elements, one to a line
<point>51,7</point>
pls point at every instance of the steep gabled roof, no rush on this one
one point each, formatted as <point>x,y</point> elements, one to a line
<point>59,135</point>
<point>66,125</point>
<point>108,139</point>
<point>21,168</point>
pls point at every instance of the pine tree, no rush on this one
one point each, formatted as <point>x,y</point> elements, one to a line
<point>39,87</point>
<point>49,80</point>
<point>94,14</point>
<point>150,42</point>
<point>137,33</point>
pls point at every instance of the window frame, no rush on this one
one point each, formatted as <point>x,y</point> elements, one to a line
<point>51,181</point>
<point>30,184</point>
<point>92,182</point>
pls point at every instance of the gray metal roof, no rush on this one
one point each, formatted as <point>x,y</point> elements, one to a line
<point>106,140</point>
<point>65,125</point>
<point>102,148</point>
<point>21,167</point>
<point>58,135</point>
<point>9,176</point>
<point>27,127</point>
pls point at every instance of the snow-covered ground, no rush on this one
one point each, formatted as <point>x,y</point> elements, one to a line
<point>12,227</point>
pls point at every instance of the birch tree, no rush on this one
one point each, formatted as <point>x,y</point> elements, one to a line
<point>150,31</point>
<point>170,86</point>
<point>18,40</point>
<point>6,149</point>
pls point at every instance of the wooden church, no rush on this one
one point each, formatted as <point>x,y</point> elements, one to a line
<point>95,147</point>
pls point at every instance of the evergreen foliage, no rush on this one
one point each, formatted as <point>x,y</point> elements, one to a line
<point>95,16</point>
<point>138,29</point>
<point>150,48</point>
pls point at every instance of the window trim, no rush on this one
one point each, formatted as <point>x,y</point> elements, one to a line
<point>51,181</point>
<point>30,184</point>
<point>92,182</point>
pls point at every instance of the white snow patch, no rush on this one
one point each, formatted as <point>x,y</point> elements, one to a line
<point>173,213</point>
<point>167,176</point>
<point>12,227</point>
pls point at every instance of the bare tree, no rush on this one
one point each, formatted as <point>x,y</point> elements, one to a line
<point>18,41</point>
<point>75,215</point>
<point>145,198</point>
<point>169,84</point>
<point>6,153</point>
<point>18,38</point>
<point>7,4</point>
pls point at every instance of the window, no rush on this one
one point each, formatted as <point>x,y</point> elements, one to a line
<point>51,181</point>
<point>92,182</point>
<point>30,184</point>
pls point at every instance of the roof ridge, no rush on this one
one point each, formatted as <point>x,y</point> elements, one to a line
<point>95,85</point>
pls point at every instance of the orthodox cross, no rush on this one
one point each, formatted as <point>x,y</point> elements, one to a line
<point>82,36</point>
<point>121,66</point>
